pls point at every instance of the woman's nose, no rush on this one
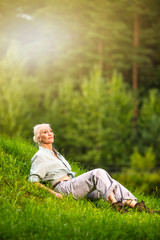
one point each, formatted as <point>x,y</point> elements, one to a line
<point>50,133</point>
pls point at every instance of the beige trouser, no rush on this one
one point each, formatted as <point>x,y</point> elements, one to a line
<point>94,184</point>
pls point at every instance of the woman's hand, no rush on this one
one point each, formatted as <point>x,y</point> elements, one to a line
<point>59,195</point>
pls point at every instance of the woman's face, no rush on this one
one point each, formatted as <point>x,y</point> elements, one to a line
<point>46,135</point>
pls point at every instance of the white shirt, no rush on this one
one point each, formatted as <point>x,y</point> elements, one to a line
<point>47,167</point>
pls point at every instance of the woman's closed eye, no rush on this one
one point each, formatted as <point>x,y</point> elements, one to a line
<point>47,131</point>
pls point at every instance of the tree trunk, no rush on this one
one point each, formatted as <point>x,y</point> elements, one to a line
<point>100,53</point>
<point>135,64</point>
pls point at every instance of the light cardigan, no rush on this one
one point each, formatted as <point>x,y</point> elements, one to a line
<point>46,167</point>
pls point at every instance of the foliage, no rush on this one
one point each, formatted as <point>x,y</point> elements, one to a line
<point>92,122</point>
<point>72,36</point>
<point>48,50</point>
<point>103,112</point>
<point>149,123</point>
<point>29,212</point>
<point>92,119</point>
<point>143,163</point>
<point>142,174</point>
<point>144,181</point>
<point>18,94</point>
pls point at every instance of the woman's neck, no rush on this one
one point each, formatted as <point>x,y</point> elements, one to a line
<point>48,146</point>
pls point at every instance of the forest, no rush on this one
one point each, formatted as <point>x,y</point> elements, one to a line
<point>92,70</point>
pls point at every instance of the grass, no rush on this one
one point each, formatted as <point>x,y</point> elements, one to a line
<point>27,212</point>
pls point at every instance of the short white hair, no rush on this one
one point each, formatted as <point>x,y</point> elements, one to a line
<point>36,131</point>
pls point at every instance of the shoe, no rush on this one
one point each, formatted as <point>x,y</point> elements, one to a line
<point>119,207</point>
<point>140,206</point>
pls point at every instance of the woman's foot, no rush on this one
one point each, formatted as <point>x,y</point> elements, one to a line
<point>119,207</point>
<point>140,206</point>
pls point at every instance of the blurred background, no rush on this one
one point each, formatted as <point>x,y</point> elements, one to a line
<point>92,70</point>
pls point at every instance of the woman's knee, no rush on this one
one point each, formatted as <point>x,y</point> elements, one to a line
<point>99,172</point>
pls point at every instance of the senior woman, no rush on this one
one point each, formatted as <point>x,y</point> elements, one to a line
<point>48,165</point>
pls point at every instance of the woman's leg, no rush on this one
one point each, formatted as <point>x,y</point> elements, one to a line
<point>95,195</point>
<point>131,203</point>
<point>112,198</point>
<point>97,179</point>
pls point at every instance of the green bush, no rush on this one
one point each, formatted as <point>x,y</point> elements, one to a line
<point>94,123</point>
<point>143,163</point>
<point>144,182</point>
<point>149,124</point>
<point>142,174</point>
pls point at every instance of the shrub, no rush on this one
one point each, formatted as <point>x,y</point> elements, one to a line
<point>142,175</point>
<point>94,123</point>
<point>143,163</point>
<point>149,124</point>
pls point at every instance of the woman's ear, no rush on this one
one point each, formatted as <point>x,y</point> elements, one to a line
<point>39,138</point>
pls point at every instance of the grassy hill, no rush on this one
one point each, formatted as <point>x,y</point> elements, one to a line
<point>27,212</point>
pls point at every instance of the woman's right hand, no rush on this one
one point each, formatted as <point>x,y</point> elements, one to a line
<point>59,195</point>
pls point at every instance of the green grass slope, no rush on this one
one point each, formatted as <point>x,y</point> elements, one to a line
<point>27,212</point>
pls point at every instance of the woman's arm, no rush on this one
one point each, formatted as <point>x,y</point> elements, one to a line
<point>58,195</point>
